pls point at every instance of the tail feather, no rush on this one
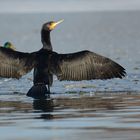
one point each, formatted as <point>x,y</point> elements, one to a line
<point>38,92</point>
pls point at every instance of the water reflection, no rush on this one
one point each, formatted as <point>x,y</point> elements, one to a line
<point>72,107</point>
<point>104,116</point>
<point>44,105</point>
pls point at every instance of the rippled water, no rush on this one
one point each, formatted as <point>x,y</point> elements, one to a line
<point>70,117</point>
<point>93,109</point>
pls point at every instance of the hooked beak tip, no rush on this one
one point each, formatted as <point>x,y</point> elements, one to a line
<point>60,21</point>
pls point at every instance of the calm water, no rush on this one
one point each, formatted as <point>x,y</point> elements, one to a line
<point>77,110</point>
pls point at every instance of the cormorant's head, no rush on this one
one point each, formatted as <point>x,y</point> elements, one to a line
<point>9,45</point>
<point>49,26</point>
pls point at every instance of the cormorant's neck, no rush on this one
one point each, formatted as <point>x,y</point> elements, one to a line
<point>46,40</point>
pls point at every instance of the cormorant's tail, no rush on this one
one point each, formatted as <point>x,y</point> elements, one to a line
<point>38,91</point>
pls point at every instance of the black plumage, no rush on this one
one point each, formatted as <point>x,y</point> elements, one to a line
<point>14,64</point>
<point>83,65</point>
<point>86,65</point>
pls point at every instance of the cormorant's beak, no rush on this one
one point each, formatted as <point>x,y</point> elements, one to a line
<point>58,22</point>
<point>54,24</point>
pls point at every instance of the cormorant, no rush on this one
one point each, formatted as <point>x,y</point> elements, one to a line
<point>9,45</point>
<point>82,65</point>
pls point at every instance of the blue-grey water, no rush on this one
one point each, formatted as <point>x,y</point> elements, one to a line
<point>82,110</point>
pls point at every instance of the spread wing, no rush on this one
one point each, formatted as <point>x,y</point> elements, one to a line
<point>14,64</point>
<point>86,65</point>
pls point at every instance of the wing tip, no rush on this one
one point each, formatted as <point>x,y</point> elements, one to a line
<point>121,72</point>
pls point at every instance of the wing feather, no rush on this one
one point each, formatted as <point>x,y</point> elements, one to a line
<point>86,65</point>
<point>14,64</point>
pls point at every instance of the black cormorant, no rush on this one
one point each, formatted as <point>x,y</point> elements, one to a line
<point>82,65</point>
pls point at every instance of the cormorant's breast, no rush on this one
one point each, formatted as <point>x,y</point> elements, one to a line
<point>42,69</point>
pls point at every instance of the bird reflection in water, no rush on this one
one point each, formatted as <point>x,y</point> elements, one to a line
<point>44,105</point>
